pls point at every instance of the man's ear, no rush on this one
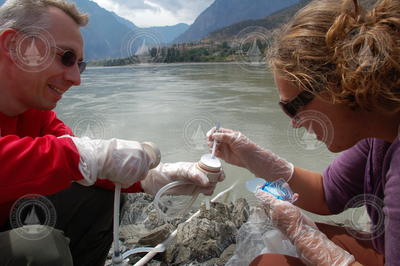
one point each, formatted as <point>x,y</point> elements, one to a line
<point>8,42</point>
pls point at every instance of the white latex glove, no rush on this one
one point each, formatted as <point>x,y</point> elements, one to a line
<point>235,148</point>
<point>120,161</point>
<point>186,171</point>
<point>312,245</point>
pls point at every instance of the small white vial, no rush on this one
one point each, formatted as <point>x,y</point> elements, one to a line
<point>210,166</point>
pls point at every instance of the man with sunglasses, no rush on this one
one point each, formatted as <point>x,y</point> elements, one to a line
<point>68,59</point>
<point>41,57</point>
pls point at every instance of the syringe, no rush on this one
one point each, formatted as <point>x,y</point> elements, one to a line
<point>218,125</point>
<point>214,147</point>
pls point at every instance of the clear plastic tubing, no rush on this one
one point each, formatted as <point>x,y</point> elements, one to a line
<point>117,197</point>
<point>142,250</point>
<point>154,153</point>
<point>168,187</point>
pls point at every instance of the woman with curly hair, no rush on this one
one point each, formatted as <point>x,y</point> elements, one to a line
<point>341,61</point>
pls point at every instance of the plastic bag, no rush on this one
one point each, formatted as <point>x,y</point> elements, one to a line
<point>257,236</point>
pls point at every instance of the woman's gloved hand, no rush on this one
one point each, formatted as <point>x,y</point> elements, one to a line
<point>185,171</point>
<point>313,246</point>
<point>235,148</point>
<point>119,161</point>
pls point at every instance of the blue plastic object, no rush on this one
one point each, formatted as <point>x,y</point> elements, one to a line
<point>278,188</point>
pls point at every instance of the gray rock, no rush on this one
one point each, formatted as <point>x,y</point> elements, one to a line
<point>223,259</point>
<point>227,254</point>
<point>207,240</point>
<point>218,212</point>
<point>135,207</point>
<point>132,233</point>
<point>240,212</point>
<point>139,209</point>
<point>204,237</point>
<point>156,236</point>
<point>153,219</point>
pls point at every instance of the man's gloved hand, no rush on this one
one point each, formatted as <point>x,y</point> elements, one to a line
<point>313,246</point>
<point>235,148</point>
<point>185,171</point>
<point>119,161</point>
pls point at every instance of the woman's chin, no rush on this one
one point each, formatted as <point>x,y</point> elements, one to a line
<point>333,147</point>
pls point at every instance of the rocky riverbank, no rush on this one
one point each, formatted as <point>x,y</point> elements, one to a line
<point>230,234</point>
<point>207,239</point>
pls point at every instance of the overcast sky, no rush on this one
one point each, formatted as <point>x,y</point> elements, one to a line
<point>147,13</point>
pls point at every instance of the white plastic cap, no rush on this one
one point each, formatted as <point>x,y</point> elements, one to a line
<point>210,163</point>
<point>211,166</point>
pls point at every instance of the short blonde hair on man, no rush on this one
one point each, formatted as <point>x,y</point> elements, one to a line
<point>20,14</point>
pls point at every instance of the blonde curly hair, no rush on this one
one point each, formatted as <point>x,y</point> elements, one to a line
<point>341,49</point>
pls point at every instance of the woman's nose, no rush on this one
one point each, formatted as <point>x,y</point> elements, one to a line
<point>296,122</point>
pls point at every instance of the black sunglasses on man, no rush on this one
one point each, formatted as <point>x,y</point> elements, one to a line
<point>68,59</point>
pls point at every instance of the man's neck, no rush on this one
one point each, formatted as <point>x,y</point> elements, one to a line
<point>9,103</point>
<point>11,112</point>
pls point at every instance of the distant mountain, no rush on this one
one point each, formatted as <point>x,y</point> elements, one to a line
<point>169,33</point>
<point>126,22</point>
<point>223,13</point>
<point>270,22</point>
<point>166,33</point>
<point>105,33</point>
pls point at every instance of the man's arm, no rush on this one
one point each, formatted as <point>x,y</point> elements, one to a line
<point>42,165</point>
<point>54,126</point>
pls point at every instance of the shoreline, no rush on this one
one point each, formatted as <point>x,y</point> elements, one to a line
<point>173,64</point>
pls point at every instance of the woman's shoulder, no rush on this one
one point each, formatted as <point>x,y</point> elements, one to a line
<point>391,164</point>
<point>393,153</point>
<point>375,144</point>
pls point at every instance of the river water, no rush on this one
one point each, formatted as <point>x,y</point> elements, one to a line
<point>175,105</point>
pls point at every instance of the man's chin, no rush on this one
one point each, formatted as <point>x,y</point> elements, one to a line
<point>47,107</point>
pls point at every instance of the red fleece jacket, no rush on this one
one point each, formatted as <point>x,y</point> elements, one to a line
<point>34,161</point>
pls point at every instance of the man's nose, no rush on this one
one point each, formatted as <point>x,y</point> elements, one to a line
<point>73,75</point>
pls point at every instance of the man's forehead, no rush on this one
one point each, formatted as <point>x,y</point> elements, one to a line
<point>65,31</point>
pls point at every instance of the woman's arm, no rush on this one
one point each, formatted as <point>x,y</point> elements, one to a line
<point>309,186</point>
